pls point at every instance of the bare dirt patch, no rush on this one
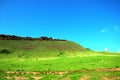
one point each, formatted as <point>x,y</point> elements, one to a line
<point>9,78</point>
<point>16,78</point>
<point>20,78</point>
<point>105,78</point>
<point>108,69</point>
<point>37,78</point>
<point>111,78</point>
<point>85,77</point>
<point>63,72</point>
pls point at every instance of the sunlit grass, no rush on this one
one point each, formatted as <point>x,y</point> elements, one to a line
<point>60,63</point>
<point>44,56</point>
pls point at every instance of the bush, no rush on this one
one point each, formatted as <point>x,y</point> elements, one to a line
<point>61,53</point>
<point>5,51</point>
<point>88,49</point>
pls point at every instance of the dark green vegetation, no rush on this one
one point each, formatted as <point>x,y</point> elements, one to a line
<point>14,37</point>
<point>56,60</point>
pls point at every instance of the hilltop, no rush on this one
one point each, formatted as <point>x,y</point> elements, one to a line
<point>24,47</point>
<point>14,37</point>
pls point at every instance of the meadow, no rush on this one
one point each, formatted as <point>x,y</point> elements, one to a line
<point>60,68</point>
<point>59,61</point>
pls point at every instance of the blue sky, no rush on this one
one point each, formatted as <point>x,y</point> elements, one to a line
<point>94,24</point>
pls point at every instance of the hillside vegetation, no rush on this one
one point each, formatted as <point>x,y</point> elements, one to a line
<point>26,49</point>
<point>24,58</point>
<point>12,46</point>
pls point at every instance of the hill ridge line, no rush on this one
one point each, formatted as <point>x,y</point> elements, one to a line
<point>14,37</point>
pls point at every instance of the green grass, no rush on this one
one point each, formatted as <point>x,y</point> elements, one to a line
<point>55,56</point>
<point>81,62</point>
<point>60,63</point>
<point>27,49</point>
<point>94,75</point>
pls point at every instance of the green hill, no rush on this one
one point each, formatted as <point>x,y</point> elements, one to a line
<point>27,48</point>
<point>53,59</point>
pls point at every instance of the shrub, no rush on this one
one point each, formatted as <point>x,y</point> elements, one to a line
<point>5,51</point>
<point>61,53</point>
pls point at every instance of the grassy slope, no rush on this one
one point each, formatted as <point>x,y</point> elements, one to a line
<point>38,48</point>
<point>63,55</point>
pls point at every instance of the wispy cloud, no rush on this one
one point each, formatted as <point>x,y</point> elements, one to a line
<point>103,31</point>
<point>116,28</point>
<point>110,29</point>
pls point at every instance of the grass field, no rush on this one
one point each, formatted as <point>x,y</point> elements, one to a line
<point>73,68</point>
<point>60,63</point>
<point>66,63</point>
